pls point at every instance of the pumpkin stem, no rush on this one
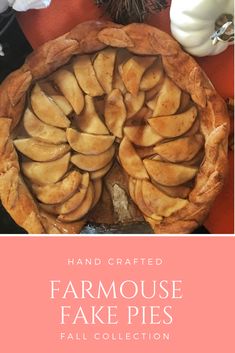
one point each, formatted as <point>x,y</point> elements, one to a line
<point>127,11</point>
<point>224,29</point>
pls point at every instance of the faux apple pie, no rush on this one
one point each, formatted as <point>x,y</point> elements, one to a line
<point>111,124</point>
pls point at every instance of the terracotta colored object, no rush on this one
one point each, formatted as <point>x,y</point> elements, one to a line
<point>40,26</point>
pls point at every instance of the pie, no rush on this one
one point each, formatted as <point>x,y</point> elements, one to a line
<point>111,124</point>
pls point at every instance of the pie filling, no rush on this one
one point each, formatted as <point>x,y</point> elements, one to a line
<point>106,107</point>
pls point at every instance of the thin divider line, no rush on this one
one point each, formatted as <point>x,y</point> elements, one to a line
<point>118,235</point>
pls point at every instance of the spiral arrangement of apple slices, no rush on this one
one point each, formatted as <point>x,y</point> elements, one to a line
<point>76,118</point>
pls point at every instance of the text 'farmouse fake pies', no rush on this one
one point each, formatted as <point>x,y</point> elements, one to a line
<point>111,124</point>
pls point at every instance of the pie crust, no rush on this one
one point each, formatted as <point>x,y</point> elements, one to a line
<point>141,40</point>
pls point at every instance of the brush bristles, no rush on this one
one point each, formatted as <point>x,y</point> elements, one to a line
<point>127,11</point>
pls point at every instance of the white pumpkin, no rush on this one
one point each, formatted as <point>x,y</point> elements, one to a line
<point>193,23</point>
<point>23,5</point>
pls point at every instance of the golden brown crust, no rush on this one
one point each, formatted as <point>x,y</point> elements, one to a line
<point>87,35</point>
<point>139,39</point>
<point>116,37</point>
<point>12,95</point>
<point>50,56</point>
<point>14,194</point>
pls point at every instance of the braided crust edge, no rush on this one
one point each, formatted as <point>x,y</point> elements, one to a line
<point>140,39</point>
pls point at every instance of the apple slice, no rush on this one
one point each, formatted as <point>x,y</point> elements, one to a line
<point>97,183</point>
<point>60,191</point>
<point>73,202</point>
<point>62,103</point>
<point>101,172</point>
<point>142,135</point>
<point>104,67</point>
<point>86,76</point>
<point>40,151</point>
<point>141,203</point>
<point>138,197</point>
<point>118,83</point>
<point>144,152</point>
<point>134,103</point>
<point>47,133</point>
<point>47,110</point>
<point>152,103</point>
<point>91,163</point>
<point>167,101</point>
<point>115,112</point>
<point>160,203</point>
<point>130,160</point>
<point>181,191</point>
<point>68,85</point>
<point>46,172</point>
<point>197,160</point>
<point>180,150</point>
<point>88,144</point>
<point>132,71</point>
<point>122,56</point>
<point>169,174</point>
<point>194,129</point>
<point>89,120</point>
<point>151,95</point>
<point>152,76</point>
<point>81,210</point>
<point>174,125</point>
